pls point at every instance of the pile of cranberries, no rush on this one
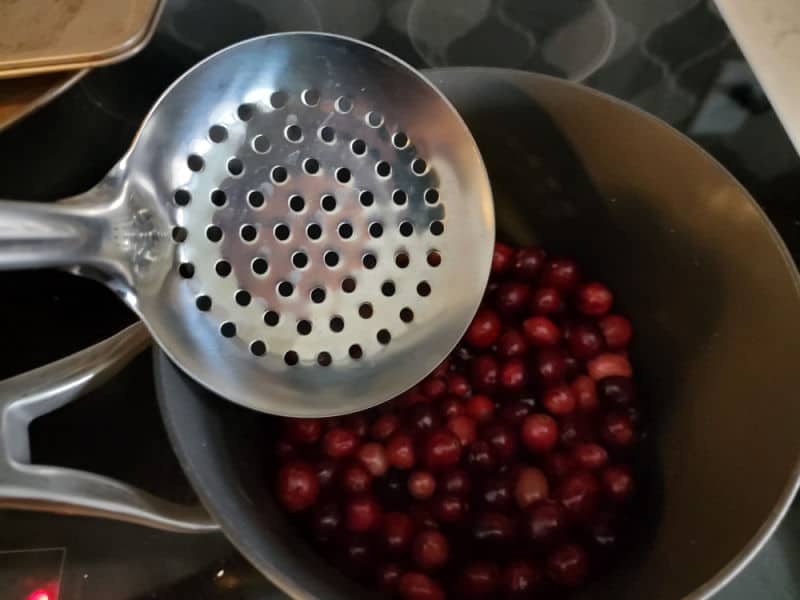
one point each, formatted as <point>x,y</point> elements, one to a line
<point>504,474</point>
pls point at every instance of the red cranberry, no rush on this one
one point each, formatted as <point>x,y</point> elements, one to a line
<point>387,577</point>
<point>530,487</point>
<point>585,341</point>
<point>478,580</point>
<point>616,391</point>
<point>617,429</point>
<point>562,274</point>
<point>325,470</point>
<point>443,369</point>
<point>607,365</point>
<point>512,344</point>
<point>384,426</point>
<point>449,509</point>
<point>464,428</point>
<point>442,450</point>
<point>339,442</point>
<point>520,578</point>
<point>494,529</point>
<point>362,513</point>
<point>604,530</point>
<point>357,555</point>
<point>541,331</point>
<point>528,263</point>
<point>480,408</point>
<point>559,464</point>
<point>498,492</point>
<point>618,482</point>
<point>458,386</point>
<point>413,397</point>
<point>326,521</point>
<point>579,494</point>
<point>617,331</point>
<point>480,456</point>
<point>423,418</point>
<point>434,387</point>
<point>502,258</point>
<point>484,329</point>
<point>422,516</point>
<point>559,400</point>
<point>484,373</point>
<point>585,392</point>
<point>590,456</point>
<point>546,301</point>
<point>513,375</point>
<point>511,297</point>
<point>550,365</point>
<point>373,457</point>
<point>416,586</point>
<point>430,550</point>
<point>451,406</point>
<point>539,433</point>
<point>357,423</point>
<point>455,482</point>
<point>545,522</point>
<point>400,451</point>
<point>354,479</point>
<point>284,450</point>
<point>298,486</point>
<point>502,440</point>
<point>397,531</point>
<point>575,429</point>
<point>303,431</point>
<point>568,565</point>
<point>514,413</point>
<point>594,299</point>
<point>421,485</point>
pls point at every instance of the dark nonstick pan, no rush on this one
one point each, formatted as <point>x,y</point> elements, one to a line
<point>710,287</point>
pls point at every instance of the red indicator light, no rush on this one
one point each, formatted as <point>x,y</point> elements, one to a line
<point>38,595</point>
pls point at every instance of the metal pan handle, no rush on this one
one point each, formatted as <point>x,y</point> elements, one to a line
<point>69,491</point>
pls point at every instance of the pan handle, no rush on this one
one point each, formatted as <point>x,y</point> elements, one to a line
<point>68,491</point>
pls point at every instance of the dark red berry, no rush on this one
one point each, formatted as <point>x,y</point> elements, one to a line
<point>362,513</point>
<point>421,485</point>
<point>423,418</point>
<point>478,580</point>
<point>579,494</point>
<point>430,550</point>
<point>480,408</point>
<point>531,486</point>
<point>498,492</point>
<point>541,331</point>
<point>434,387</point>
<point>387,577</point>
<point>442,450</point>
<point>449,509</point>
<point>607,365</point>
<point>568,565</point>
<point>493,529</point>
<point>484,329</point>
<point>502,258</point>
<point>545,522</point>
<point>303,431</point>
<point>539,433</point>
<point>562,274</point>
<point>617,331</point>
<point>326,469</point>
<point>594,299</point>
<point>528,262</point>
<point>513,375</point>
<point>546,301</point>
<point>484,373</point>
<point>326,521</point>
<point>502,440</point>
<point>480,457</point>
<point>354,479</point>
<point>585,391</point>
<point>298,486</point>
<point>511,298</point>
<point>396,532</point>
<point>590,456</point>
<point>514,413</point>
<point>559,400</point>
<point>585,341</point>
<point>520,578</point>
<point>373,456</point>
<point>339,442</point>
<point>451,406</point>
<point>550,365</point>
<point>559,464</point>
<point>455,482</point>
<point>384,426</point>
<point>464,428</point>
<point>617,429</point>
<point>416,586</point>
<point>512,344</point>
<point>618,482</point>
<point>458,386</point>
<point>400,451</point>
<point>616,391</point>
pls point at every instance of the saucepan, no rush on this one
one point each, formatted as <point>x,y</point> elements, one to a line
<point>712,290</point>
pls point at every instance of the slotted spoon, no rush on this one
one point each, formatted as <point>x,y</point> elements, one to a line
<point>303,222</point>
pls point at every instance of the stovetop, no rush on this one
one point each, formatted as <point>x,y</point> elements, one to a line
<point>674,58</point>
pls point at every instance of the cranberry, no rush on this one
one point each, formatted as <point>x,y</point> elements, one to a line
<point>416,586</point>
<point>590,456</point>
<point>562,274</point>
<point>339,442</point>
<point>442,450</point>
<point>464,428</point>
<point>298,486</point>
<point>585,392</point>
<point>575,429</point>
<point>423,418</point>
<point>617,331</point>
<point>362,513</point>
<point>618,482</point>
<point>357,556</point>
<point>494,529</point>
<point>413,397</point>
<point>604,530</point>
<point>480,456</point>
<point>520,578</point>
<point>478,580</point>
<point>373,457</point>
<point>502,258</point>
<point>607,365</point>
<point>585,341</point>
<point>498,492</point>
<point>357,423</point>
<point>512,344</point>
<point>541,331</point>
<point>617,429</point>
<point>285,450</point>
<point>594,299</point>
<point>451,406</point>
<point>502,440</point>
<point>511,298</point>
<point>400,451</point>
<point>326,521</point>
<point>443,369</point>
<point>449,509</point>
<point>484,373</point>
<point>325,470</point>
<point>430,550</point>
<point>397,531</point>
<point>458,386</point>
<point>528,263</point>
<point>559,400</point>
<point>513,375</point>
<point>616,391</point>
<point>455,482</point>
<point>422,516</point>
<point>579,494</point>
<point>387,577</point>
<point>559,464</point>
<point>530,487</point>
<point>514,413</point>
<point>303,431</point>
<point>546,301</point>
<point>434,387</point>
<point>545,522</point>
<point>384,426</point>
<point>421,485</point>
<point>354,479</point>
<point>550,365</point>
<point>480,408</point>
<point>484,329</point>
<point>568,565</point>
<point>539,433</point>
